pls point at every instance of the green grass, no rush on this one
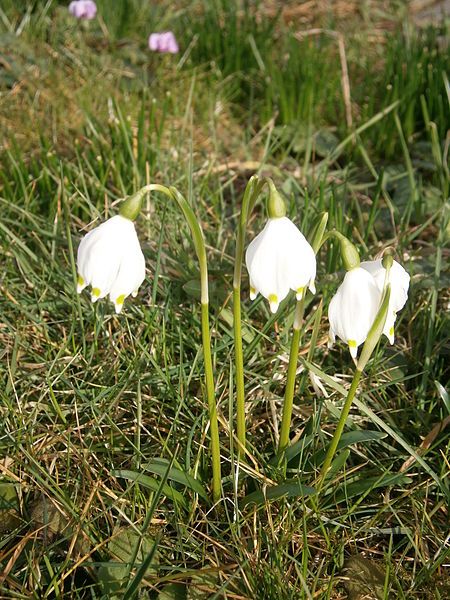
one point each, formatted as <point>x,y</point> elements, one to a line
<point>104,419</point>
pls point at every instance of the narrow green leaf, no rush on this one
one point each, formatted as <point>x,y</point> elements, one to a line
<point>152,484</point>
<point>288,489</point>
<point>159,466</point>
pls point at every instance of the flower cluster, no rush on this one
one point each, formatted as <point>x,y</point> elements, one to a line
<point>83,9</point>
<point>279,259</point>
<point>353,308</point>
<point>164,42</point>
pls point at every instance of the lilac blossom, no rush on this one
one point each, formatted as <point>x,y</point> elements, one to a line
<point>83,9</point>
<point>163,42</point>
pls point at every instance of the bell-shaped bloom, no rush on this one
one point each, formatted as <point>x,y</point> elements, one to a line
<point>399,280</point>
<point>280,259</point>
<point>83,9</point>
<point>353,308</point>
<point>110,260</point>
<point>163,42</point>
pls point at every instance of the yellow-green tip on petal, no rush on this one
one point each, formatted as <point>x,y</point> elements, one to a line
<point>95,294</point>
<point>81,284</point>
<point>253,293</point>
<point>299,293</point>
<point>273,303</point>
<point>353,348</point>
<point>118,304</point>
<point>391,335</point>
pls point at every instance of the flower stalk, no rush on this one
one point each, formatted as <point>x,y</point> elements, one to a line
<point>372,340</point>
<point>295,345</point>
<point>251,193</point>
<point>132,205</point>
<point>291,374</point>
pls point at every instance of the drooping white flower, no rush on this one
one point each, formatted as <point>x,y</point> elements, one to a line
<point>353,308</point>
<point>110,260</point>
<point>280,259</point>
<point>399,280</point>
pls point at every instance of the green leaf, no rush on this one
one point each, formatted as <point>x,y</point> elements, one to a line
<point>298,447</point>
<point>173,591</point>
<point>159,466</point>
<point>114,574</point>
<point>9,506</point>
<point>203,585</point>
<point>325,142</point>
<point>443,394</point>
<point>337,464</point>
<point>363,579</point>
<point>349,439</point>
<point>366,484</point>
<point>227,316</point>
<point>45,514</point>
<point>152,484</point>
<point>288,489</point>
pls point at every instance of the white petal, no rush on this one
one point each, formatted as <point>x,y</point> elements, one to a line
<point>353,308</point>
<point>353,350</point>
<point>81,284</point>
<point>263,265</point>
<point>273,303</point>
<point>388,329</point>
<point>279,259</point>
<point>101,253</point>
<point>398,277</point>
<point>129,277</point>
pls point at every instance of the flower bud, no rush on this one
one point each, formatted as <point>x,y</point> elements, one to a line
<point>276,207</point>
<point>349,253</point>
<point>132,205</point>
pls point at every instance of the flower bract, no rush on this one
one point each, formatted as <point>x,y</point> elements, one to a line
<point>110,260</point>
<point>353,308</point>
<point>280,259</point>
<point>399,280</point>
<point>83,9</point>
<point>163,42</point>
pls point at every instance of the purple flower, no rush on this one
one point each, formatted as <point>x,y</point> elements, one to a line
<point>163,42</point>
<point>83,9</point>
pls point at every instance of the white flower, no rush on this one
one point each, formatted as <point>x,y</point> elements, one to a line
<point>110,260</point>
<point>399,280</point>
<point>280,259</point>
<point>353,308</point>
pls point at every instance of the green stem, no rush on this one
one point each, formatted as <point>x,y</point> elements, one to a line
<point>251,193</point>
<point>210,393</point>
<point>239,366</point>
<point>339,429</point>
<point>290,381</point>
<point>199,244</point>
<point>318,235</point>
